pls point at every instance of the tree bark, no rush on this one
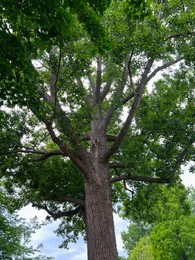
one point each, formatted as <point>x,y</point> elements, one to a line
<point>101,243</point>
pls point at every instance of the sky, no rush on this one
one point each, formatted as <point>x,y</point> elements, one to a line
<point>50,242</point>
<point>77,251</point>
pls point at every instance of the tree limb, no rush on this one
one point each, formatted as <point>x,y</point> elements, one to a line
<point>59,214</point>
<point>131,114</point>
<point>63,199</point>
<point>177,35</point>
<point>182,156</point>
<point>96,93</point>
<point>65,149</point>
<point>91,81</point>
<point>129,70</point>
<point>106,90</point>
<point>46,155</point>
<point>139,178</point>
<point>115,165</point>
<point>118,92</point>
<point>164,66</point>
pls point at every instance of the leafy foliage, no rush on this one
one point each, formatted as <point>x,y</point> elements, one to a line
<point>74,74</point>
<point>171,234</point>
<point>15,233</point>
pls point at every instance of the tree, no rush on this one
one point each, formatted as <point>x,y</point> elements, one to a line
<point>171,232</point>
<point>66,145</point>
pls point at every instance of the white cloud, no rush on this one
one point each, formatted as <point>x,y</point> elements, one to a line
<point>188,179</point>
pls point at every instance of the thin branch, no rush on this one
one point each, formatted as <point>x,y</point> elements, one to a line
<point>177,35</point>
<point>139,178</point>
<point>128,98</point>
<point>46,155</point>
<point>115,165</point>
<point>129,70</point>
<point>43,65</point>
<point>59,214</point>
<point>162,68</point>
<point>28,151</point>
<point>182,156</point>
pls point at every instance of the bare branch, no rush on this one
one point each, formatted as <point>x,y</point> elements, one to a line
<point>132,95</point>
<point>106,90</point>
<point>131,114</point>
<point>65,149</point>
<point>96,96</point>
<point>139,178</point>
<point>92,83</point>
<point>79,82</point>
<point>87,99</point>
<point>164,66</point>
<point>53,76</point>
<point>118,92</point>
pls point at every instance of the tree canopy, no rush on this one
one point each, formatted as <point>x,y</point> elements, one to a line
<point>82,110</point>
<point>170,235</point>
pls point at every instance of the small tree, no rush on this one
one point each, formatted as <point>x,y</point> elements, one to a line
<point>76,138</point>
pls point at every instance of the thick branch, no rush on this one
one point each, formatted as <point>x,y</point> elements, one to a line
<point>139,178</point>
<point>118,92</point>
<point>87,99</point>
<point>106,90</point>
<point>92,83</point>
<point>53,75</point>
<point>131,114</point>
<point>98,82</point>
<point>65,149</point>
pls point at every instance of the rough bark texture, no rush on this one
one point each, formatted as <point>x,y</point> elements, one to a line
<point>101,241</point>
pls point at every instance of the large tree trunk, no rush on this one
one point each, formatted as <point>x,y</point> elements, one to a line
<point>101,241</point>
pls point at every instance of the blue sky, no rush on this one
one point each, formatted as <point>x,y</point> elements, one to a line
<point>77,251</point>
<point>50,242</point>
